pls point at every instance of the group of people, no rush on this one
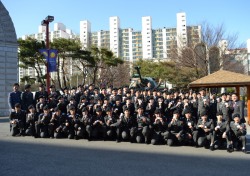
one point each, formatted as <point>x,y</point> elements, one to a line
<point>137,115</point>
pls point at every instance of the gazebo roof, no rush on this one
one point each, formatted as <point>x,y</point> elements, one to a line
<point>222,78</point>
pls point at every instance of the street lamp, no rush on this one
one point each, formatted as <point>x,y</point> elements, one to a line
<point>46,22</point>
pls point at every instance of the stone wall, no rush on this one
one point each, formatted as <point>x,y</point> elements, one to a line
<point>8,58</point>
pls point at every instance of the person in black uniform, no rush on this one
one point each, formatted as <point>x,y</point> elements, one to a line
<point>204,134</point>
<point>41,92</point>
<point>40,104</point>
<point>158,127</point>
<point>129,105</point>
<point>151,106</point>
<point>126,129</point>
<point>52,104</point>
<point>189,127</point>
<point>111,124</point>
<point>86,121</point>
<point>223,107</point>
<point>143,122</point>
<point>174,135</point>
<point>237,107</point>
<point>43,123</point>
<point>75,128</point>
<point>17,121</point>
<point>219,133</point>
<point>237,135</point>
<point>60,129</point>
<point>98,125</point>
<point>54,122</point>
<point>31,120</point>
<point>27,98</point>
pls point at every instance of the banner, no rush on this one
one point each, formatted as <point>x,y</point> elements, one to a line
<point>50,56</point>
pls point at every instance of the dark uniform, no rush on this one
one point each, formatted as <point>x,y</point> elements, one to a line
<point>189,127</point>
<point>86,121</point>
<point>143,130</point>
<point>31,120</point>
<point>237,134</point>
<point>158,127</point>
<point>98,125</point>
<point>204,133</point>
<point>111,124</point>
<point>17,121</point>
<point>174,134</point>
<point>27,98</point>
<point>220,127</point>
<point>127,126</point>
<point>75,127</point>
<point>42,127</point>
<point>60,129</point>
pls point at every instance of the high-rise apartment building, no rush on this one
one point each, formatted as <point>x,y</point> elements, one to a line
<point>148,43</point>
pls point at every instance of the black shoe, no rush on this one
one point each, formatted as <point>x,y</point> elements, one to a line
<point>212,148</point>
<point>244,150</point>
<point>230,149</point>
<point>76,138</point>
<point>118,140</point>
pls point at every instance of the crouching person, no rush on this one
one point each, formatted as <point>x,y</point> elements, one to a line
<point>111,124</point>
<point>174,135</point>
<point>219,133</point>
<point>237,134</point>
<point>17,121</point>
<point>158,127</point>
<point>204,134</point>
<point>143,130</point>
<point>42,126</point>
<point>31,120</point>
<point>98,125</point>
<point>59,126</point>
<point>86,121</point>
<point>189,127</point>
<point>75,127</point>
<point>126,129</point>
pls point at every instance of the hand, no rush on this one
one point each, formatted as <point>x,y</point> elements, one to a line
<point>206,130</point>
<point>201,126</point>
<point>177,135</point>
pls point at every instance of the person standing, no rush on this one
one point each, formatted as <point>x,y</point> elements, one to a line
<point>27,98</point>
<point>14,96</point>
<point>237,107</point>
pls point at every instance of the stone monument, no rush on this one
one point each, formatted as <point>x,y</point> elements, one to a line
<point>8,58</point>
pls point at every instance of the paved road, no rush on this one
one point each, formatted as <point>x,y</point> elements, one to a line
<point>56,157</point>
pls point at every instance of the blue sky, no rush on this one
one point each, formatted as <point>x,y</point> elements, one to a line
<point>28,14</point>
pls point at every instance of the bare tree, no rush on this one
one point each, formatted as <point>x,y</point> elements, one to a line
<point>215,51</point>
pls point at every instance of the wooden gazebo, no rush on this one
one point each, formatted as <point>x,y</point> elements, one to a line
<point>224,78</point>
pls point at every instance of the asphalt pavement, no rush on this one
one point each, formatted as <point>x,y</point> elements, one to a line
<point>56,157</point>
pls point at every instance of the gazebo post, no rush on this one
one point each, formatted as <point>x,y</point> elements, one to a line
<point>248,104</point>
<point>237,91</point>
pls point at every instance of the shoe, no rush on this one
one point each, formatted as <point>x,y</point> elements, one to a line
<point>212,148</point>
<point>118,140</point>
<point>76,138</point>
<point>244,150</point>
<point>230,149</point>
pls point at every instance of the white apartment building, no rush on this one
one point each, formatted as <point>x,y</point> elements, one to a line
<point>148,43</point>
<point>85,33</point>
<point>181,30</point>
<point>147,46</point>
